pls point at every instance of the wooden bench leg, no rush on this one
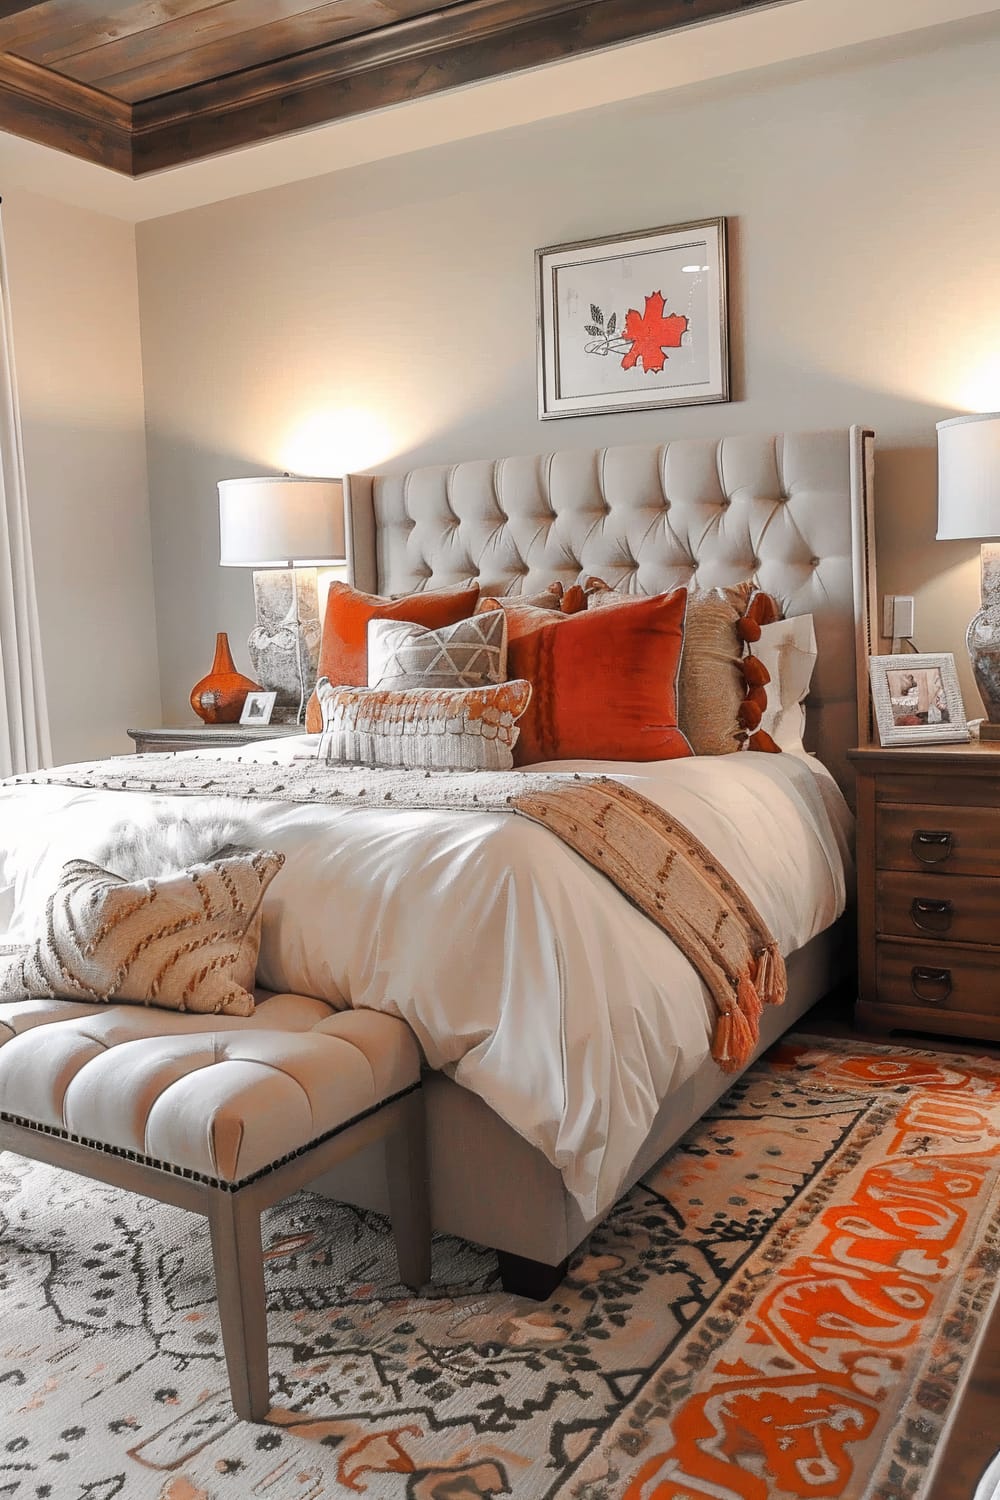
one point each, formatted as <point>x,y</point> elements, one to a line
<point>239,1288</point>
<point>409,1206</point>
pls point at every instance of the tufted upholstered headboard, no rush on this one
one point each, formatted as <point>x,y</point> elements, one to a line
<point>792,511</point>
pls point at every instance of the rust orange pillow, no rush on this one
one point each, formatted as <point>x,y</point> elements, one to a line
<point>604,683</point>
<point>720,699</point>
<point>343,652</point>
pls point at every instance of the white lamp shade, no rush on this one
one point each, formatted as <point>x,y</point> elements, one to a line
<point>275,522</point>
<point>969,477</point>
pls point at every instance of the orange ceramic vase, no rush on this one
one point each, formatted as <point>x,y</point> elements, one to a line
<point>219,697</point>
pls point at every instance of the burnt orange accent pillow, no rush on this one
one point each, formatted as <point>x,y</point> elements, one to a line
<point>605,684</point>
<point>721,697</point>
<point>343,652</point>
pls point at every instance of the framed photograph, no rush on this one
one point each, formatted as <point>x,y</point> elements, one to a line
<point>633,321</point>
<point>258,708</point>
<point>917,699</point>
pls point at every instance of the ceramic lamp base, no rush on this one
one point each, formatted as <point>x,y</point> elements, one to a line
<point>983,639</point>
<point>284,644</point>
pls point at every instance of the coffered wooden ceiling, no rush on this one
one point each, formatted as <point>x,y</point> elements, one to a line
<point>140,85</point>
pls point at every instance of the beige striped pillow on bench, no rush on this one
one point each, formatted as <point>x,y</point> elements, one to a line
<point>184,941</point>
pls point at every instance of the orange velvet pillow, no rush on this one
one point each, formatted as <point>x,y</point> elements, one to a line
<point>343,653</point>
<point>605,684</point>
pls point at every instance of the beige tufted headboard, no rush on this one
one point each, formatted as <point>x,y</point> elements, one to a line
<point>792,511</point>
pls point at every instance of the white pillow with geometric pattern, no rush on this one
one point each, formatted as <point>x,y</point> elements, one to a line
<point>471,653</point>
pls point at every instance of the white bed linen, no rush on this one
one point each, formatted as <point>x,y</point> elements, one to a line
<point>523,972</point>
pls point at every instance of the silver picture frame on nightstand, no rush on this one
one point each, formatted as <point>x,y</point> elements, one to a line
<point>258,708</point>
<point>917,699</point>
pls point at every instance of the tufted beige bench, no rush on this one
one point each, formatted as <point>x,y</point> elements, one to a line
<point>223,1116</point>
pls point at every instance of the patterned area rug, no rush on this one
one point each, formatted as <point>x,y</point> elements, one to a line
<point>783,1308</point>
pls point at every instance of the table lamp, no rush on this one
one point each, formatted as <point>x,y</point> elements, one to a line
<point>969,508</point>
<point>283,527</point>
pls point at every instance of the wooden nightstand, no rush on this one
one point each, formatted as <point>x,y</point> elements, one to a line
<point>206,736</point>
<point>929,889</point>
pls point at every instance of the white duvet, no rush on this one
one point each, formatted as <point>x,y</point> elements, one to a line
<point>523,972</point>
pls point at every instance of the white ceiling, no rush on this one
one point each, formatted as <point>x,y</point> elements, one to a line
<point>761,38</point>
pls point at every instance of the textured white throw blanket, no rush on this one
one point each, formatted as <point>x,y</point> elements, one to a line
<point>525,975</point>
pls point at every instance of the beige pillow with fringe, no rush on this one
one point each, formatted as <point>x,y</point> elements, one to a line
<point>444,729</point>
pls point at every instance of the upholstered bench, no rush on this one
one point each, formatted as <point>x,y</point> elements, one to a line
<point>223,1116</point>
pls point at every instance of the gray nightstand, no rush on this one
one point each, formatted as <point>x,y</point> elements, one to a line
<point>208,736</point>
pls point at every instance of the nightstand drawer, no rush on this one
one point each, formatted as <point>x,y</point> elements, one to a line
<point>947,840</point>
<point>936,977</point>
<point>962,909</point>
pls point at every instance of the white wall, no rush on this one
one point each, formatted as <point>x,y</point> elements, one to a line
<point>385,315</point>
<point>76,343</point>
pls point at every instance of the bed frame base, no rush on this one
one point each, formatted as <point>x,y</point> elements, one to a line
<point>523,1277</point>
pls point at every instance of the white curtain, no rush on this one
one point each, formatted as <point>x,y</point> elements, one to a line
<point>24,722</point>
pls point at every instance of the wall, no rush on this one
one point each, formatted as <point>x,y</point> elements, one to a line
<point>75,313</point>
<point>385,315</point>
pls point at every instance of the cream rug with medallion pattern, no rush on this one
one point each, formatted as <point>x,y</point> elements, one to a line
<point>783,1308</point>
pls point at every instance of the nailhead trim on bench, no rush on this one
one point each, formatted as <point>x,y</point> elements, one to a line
<point>187,1172</point>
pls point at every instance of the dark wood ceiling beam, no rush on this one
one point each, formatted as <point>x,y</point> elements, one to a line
<point>80,30</point>
<point>460,45</point>
<point>424,35</point>
<point>459,42</point>
<point>10,8</point>
<point>33,25</point>
<point>55,111</point>
<point>229,38</point>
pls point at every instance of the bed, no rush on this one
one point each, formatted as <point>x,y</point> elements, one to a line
<point>554,1085</point>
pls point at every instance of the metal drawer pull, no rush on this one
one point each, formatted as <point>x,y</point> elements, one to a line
<point>920,907</point>
<point>931,846</point>
<point>939,979</point>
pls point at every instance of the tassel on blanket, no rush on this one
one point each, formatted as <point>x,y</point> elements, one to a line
<point>748,1001</point>
<point>737,1031</point>
<point>770,979</point>
<point>735,1039</point>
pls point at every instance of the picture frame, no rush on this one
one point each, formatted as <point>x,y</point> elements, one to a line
<point>631,322</point>
<point>917,699</point>
<point>257,709</point>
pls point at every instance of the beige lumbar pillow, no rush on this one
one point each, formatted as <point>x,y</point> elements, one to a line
<point>181,941</point>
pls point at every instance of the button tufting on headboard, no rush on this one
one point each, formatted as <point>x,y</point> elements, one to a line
<point>775,508</point>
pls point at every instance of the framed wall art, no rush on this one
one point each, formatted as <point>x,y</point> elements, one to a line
<point>917,699</point>
<point>633,321</point>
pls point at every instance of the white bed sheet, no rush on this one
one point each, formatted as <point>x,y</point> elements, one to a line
<point>523,972</point>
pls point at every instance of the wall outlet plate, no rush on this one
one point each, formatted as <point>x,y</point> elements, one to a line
<point>902,623</point>
<point>897,617</point>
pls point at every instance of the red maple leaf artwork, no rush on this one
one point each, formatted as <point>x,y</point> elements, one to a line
<point>652,335</point>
